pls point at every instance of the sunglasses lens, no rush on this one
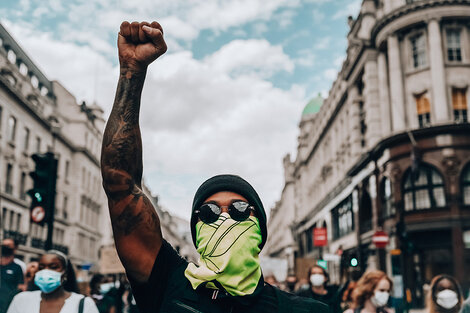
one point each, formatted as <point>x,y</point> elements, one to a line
<point>209,213</point>
<point>239,210</point>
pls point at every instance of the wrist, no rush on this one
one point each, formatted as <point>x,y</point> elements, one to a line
<point>130,70</point>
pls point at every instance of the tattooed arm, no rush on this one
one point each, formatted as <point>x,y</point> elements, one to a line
<point>136,226</point>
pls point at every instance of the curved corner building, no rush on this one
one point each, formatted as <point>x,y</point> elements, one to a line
<point>388,149</point>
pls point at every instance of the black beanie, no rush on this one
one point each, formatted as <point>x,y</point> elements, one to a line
<point>231,183</point>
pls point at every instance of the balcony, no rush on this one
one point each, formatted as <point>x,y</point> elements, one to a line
<point>17,236</point>
<point>38,243</point>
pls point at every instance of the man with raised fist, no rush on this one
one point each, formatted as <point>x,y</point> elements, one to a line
<point>228,221</point>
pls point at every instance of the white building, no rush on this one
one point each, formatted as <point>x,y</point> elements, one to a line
<point>38,116</point>
<point>400,99</point>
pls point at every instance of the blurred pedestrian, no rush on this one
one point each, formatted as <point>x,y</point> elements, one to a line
<point>11,274</point>
<point>320,290</point>
<point>31,270</point>
<point>291,283</point>
<point>58,289</point>
<point>349,287</point>
<point>99,290</point>
<point>371,293</point>
<point>444,296</point>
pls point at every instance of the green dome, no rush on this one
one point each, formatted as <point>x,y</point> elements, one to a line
<point>313,106</point>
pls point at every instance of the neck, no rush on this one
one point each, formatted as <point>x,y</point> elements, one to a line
<point>319,289</point>
<point>5,260</point>
<point>369,307</point>
<point>58,293</point>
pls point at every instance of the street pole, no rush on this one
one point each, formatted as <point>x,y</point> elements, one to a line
<point>51,200</point>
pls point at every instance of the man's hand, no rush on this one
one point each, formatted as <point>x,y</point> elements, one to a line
<point>139,44</point>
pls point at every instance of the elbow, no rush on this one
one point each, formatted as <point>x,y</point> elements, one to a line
<point>115,180</point>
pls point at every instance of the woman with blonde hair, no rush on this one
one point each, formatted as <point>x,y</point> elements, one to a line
<point>444,296</point>
<point>371,293</point>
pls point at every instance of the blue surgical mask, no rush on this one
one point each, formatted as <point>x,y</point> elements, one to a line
<point>48,280</point>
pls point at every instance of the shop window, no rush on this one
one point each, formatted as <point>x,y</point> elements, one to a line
<point>423,189</point>
<point>423,108</point>
<point>454,50</point>
<point>466,185</point>
<point>343,219</point>
<point>386,198</point>
<point>418,51</point>
<point>459,104</point>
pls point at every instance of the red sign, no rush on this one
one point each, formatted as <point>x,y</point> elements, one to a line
<point>38,214</point>
<point>380,239</point>
<point>320,237</point>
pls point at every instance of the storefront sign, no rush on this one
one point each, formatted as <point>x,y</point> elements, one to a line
<point>320,237</point>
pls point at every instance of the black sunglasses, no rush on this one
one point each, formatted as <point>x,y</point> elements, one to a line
<point>238,210</point>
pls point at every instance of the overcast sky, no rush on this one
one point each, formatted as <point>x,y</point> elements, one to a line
<point>227,96</point>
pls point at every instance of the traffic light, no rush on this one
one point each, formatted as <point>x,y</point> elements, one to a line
<point>353,262</point>
<point>44,184</point>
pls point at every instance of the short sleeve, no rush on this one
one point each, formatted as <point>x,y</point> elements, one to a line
<point>149,296</point>
<point>13,308</point>
<point>90,306</point>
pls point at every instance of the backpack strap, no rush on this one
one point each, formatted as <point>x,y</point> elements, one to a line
<point>81,304</point>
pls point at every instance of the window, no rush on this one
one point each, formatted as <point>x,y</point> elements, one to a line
<point>343,219</point>
<point>466,185</point>
<point>8,176</point>
<point>38,145</point>
<point>22,186</point>
<point>388,209</point>
<point>423,189</point>
<point>64,208</point>
<point>67,169</point>
<point>26,139</point>
<point>11,56</point>
<point>11,129</point>
<point>423,108</point>
<point>459,104</point>
<point>1,115</point>
<point>418,46</point>
<point>23,69</point>
<point>454,52</point>
<point>34,81</point>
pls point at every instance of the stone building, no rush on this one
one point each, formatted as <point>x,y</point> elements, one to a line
<point>38,116</point>
<point>388,149</point>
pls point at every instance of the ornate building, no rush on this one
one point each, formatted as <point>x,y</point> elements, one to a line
<point>389,149</point>
<point>38,116</point>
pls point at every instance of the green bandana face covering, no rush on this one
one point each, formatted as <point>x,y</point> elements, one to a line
<point>229,254</point>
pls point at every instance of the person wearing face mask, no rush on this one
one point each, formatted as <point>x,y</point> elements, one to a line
<point>228,221</point>
<point>99,288</point>
<point>371,293</point>
<point>11,274</point>
<point>445,295</point>
<point>320,290</point>
<point>58,289</point>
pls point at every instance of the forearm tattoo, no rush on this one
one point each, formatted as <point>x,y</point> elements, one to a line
<point>121,160</point>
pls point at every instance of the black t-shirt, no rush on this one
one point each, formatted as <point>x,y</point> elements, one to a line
<point>169,291</point>
<point>11,277</point>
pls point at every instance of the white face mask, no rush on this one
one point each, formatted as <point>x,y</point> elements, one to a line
<point>380,298</point>
<point>317,280</point>
<point>447,299</point>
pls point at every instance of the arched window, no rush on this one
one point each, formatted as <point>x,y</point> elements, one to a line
<point>466,185</point>
<point>423,189</point>
<point>386,198</point>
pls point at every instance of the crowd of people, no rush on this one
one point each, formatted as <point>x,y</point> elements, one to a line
<point>371,292</point>
<point>50,285</point>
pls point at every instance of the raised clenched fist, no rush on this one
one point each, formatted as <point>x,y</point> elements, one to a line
<point>139,44</point>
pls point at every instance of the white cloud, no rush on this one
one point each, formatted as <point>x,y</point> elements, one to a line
<point>318,16</point>
<point>330,74</point>
<point>351,9</point>
<point>197,121</point>
<point>322,43</point>
<point>252,56</point>
<point>306,58</point>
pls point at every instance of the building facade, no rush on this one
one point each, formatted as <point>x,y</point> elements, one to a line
<point>389,149</point>
<point>38,116</point>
